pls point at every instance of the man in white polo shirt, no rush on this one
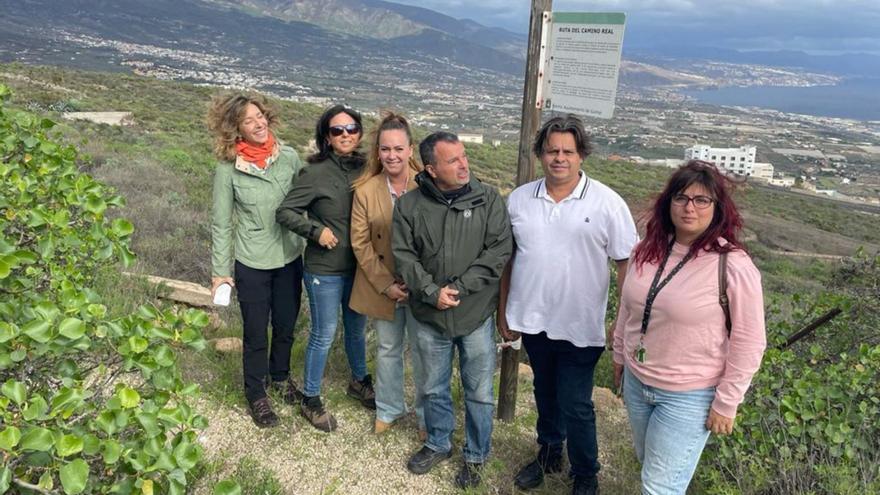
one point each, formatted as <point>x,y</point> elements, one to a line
<point>566,227</point>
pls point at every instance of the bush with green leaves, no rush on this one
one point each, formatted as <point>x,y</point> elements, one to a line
<point>811,420</point>
<point>89,403</point>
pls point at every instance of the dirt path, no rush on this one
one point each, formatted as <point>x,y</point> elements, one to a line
<point>354,461</point>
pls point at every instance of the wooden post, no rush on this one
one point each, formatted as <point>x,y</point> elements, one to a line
<point>525,172</point>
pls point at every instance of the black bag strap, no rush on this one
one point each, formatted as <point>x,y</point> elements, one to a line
<point>723,300</point>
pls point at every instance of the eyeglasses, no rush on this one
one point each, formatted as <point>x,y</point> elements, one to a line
<point>351,129</point>
<point>700,202</point>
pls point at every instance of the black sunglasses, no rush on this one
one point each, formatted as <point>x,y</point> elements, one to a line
<point>337,130</point>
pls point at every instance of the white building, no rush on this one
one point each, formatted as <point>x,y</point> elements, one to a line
<point>782,181</point>
<point>470,138</point>
<point>740,161</point>
<point>762,171</point>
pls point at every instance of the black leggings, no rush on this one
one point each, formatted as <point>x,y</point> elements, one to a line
<point>262,293</point>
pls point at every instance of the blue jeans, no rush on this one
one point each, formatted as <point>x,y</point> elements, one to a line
<point>476,355</point>
<point>669,433</point>
<point>563,396</point>
<point>327,293</point>
<point>390,402</point>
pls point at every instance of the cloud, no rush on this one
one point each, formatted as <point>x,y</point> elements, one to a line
<point>810,25</point>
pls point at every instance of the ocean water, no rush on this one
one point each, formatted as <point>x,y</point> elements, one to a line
<point>857,99</point>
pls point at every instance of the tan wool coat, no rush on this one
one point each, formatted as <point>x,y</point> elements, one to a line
<point>371,214</point>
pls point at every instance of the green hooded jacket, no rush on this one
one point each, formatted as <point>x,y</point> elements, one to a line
<point>465,242</point>
<point>243,223</point>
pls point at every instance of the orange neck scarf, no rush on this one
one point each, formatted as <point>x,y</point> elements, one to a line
<point>256,154</point>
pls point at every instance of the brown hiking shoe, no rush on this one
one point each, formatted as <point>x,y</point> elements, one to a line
<point>313,410</point>
<point>363,391</point>
<point>262,413</point>
<point>290,391</point>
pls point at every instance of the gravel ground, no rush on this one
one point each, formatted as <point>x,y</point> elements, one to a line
<point>352,460</point>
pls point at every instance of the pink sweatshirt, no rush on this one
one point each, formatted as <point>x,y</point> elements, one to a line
<point>686,345</point>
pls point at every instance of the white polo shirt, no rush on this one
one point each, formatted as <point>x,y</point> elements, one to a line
<point>559,281</point>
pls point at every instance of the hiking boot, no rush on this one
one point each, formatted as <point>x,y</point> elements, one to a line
<point>289,390</point>
<point>585,485</point>
<point>262,413</point>
<point>363,391</point>
<point>422,461</point>
<point>532,474</point>
<point>469,475</point>
<point>313,410</point>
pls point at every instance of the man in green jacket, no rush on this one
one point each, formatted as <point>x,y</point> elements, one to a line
<point>451,242</point>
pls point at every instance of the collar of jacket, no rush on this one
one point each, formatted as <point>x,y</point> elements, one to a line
<point>471,199</point>
<point>249,168</point>
<point>348,162</point>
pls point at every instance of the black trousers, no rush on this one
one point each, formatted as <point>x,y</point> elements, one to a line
<point>563,395</point>
<point>265,294</point>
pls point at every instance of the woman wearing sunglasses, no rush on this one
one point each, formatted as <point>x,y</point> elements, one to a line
<point>318,208</point>
<point>390,173</point>
<point>686,369</point>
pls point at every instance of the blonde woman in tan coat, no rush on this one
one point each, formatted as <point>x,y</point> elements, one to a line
<point>390,172</point>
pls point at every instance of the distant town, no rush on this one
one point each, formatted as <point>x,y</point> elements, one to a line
<point>654,123</point>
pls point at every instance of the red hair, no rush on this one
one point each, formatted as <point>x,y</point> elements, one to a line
<point>726,221</point>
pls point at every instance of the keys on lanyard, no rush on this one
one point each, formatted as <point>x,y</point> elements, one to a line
<point>639,354</point>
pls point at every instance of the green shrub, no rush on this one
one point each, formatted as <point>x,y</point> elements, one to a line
<point>811,419</point>
<point>805,428</point>
<point>88,403</point>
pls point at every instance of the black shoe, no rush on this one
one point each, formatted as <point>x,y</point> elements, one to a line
<point>585,486</point>
<point>262,413</point>
<point>469,475</point>
<point>363,391</point>
<point>532,474</point>
<point>422,461</point>
<point>289,391</point>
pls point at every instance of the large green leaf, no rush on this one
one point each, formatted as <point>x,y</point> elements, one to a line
<point>111,451</point>
<point>138,344</point>
<point>95,204</point>
<point>36,408</point>
<point>5,269</point>
<point>72,328</point>
<point>74,476</point>
<point>9,438</point>
<point>15,391</point>
<point>122,227</point>
<point>163,463</point>
<point>5,473</point>
<point>68,445</point>
<point>128,397</point>
<point>38,439</point>
<point>7,332</point>
<point>187,455</point>
<point>39,330</point>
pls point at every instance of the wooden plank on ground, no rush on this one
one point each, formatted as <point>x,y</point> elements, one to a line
<point>180,291</point>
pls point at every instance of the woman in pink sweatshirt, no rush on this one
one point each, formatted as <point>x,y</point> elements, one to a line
<point>684,373</point>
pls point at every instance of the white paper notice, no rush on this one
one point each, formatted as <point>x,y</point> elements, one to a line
<point>583,62</point>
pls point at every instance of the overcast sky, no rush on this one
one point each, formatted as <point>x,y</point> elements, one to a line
<point>816,26</point>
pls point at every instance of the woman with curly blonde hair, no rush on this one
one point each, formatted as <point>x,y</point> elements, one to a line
<point>250,251</point>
